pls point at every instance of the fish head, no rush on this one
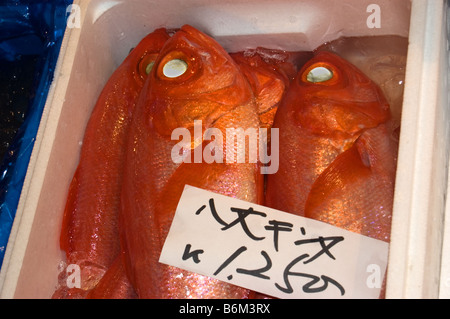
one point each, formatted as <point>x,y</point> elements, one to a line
<point>142,57</point>
<point>332,97</point>
<point>194,79</point>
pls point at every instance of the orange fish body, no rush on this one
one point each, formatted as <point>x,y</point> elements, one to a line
<point>89,234</point>
<point>211,90</point>
<point>337,151</point>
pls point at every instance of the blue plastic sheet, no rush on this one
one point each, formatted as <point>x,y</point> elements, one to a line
<point>31,33</point>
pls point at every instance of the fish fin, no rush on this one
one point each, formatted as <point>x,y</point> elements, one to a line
<point>348,170</point>
<point>356,191</point>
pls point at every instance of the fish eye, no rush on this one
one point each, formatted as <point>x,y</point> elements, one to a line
<point>174,68</point>
<point>149,67</point>
<point>146,64</point>
<point>177,65</point>
<point>319,74</point>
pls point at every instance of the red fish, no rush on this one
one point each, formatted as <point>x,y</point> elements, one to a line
<point>206,85</point>
<point>337,149</point>
<point>89,234</point>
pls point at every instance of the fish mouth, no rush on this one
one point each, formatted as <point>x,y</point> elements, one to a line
<point>375,110</point>
<point>338,117</point>
<point>165,124</point>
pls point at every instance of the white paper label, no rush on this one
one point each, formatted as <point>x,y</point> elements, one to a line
<point>272,252</point>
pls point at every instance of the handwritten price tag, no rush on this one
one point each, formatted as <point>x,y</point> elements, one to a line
<point>272,252</point>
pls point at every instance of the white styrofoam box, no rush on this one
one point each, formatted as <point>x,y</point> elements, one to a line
<point>109,29</point>
<point>444,287</point>
<point>417,230</point>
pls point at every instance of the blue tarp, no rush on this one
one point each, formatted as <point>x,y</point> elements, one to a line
<point>27,29</point>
